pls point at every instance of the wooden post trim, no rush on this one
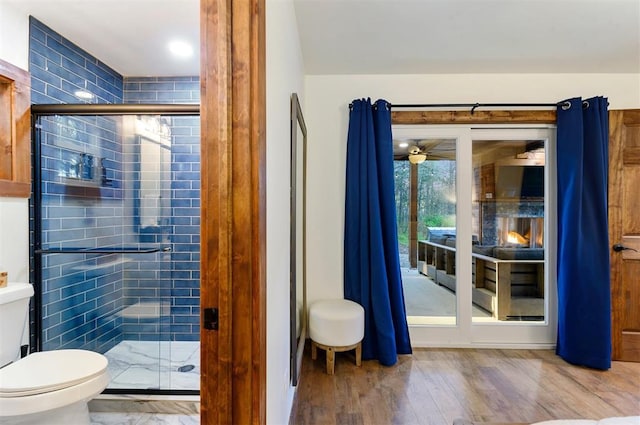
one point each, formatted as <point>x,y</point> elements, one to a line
<point>233,211</point>
<point>413,216</point>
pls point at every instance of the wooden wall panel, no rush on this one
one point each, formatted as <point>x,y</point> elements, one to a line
<point>488,182</point>
<point>631,202</point>
<point>632,156</point>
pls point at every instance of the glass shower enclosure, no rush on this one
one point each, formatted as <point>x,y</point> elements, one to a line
<point>115,221</point>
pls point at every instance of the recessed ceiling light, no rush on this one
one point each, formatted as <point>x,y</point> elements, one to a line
<point>403,144</point>
<point>181,49</point>
<point>83,94</point>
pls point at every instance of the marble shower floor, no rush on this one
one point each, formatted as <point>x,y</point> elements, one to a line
<point>170,365</point>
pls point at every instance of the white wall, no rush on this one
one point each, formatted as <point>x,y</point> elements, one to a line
<point>326,111</point>
<point>14,36</point>
<point>14,212</point>
<point>284,76</point>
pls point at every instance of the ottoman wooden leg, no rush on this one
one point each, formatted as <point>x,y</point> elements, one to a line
<point>331,359</point>
<point>314,351</point>
<point>359,354</point>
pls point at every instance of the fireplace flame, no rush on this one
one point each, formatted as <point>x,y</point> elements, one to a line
<point>516,238</point>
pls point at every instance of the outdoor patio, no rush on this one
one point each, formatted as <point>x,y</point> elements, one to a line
<point>429,303</point>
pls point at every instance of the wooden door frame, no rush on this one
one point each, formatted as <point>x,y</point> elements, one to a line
<point>233,211</point>
<point>616,145</point>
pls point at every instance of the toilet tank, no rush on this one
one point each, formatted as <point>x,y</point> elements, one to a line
<point>14,313</point>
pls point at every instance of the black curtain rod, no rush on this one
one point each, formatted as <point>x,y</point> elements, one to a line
<point>473,106</point>
<point>468,105</point>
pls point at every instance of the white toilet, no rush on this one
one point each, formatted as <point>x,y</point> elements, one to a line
<point>50,387</point>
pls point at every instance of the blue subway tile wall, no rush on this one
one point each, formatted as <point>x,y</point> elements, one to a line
<point>59,68</point>
<point>162,90</point>
<point>184,318</point>
<point>82,294</point>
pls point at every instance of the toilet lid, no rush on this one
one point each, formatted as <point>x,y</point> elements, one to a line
<point>49,371</point>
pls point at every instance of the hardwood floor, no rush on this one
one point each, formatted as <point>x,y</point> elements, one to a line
<point>438,386</point>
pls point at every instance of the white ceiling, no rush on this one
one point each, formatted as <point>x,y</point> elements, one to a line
<point>131,36</point>
<point>374,36</point>
<point>469,36</point>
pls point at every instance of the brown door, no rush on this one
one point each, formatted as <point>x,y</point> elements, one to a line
<point>624,232</point>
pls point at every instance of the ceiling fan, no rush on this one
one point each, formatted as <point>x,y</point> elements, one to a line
<point>416,155</point>
<point>419,150</point>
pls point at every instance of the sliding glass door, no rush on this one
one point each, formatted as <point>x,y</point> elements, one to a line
<point>492,259</point>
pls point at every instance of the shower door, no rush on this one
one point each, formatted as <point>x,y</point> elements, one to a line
<point>103,246</point>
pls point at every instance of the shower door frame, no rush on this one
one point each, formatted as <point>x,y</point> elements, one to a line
<point>36,251</point>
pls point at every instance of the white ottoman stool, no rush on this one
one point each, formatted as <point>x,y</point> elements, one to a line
<point>335,326</point>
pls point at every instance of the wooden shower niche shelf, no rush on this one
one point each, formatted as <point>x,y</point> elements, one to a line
<point>70,181</point>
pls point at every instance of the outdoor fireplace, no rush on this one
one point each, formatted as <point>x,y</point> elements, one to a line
<point>524,219</point>
<point>521,232</point>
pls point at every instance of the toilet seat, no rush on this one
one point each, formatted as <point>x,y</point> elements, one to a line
<point>48,371</point>
<point>51,380</point>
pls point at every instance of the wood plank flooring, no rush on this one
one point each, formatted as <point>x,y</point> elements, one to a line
<point>438,386</point>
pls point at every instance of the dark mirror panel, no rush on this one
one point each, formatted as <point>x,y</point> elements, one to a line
<point>298,287</point>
